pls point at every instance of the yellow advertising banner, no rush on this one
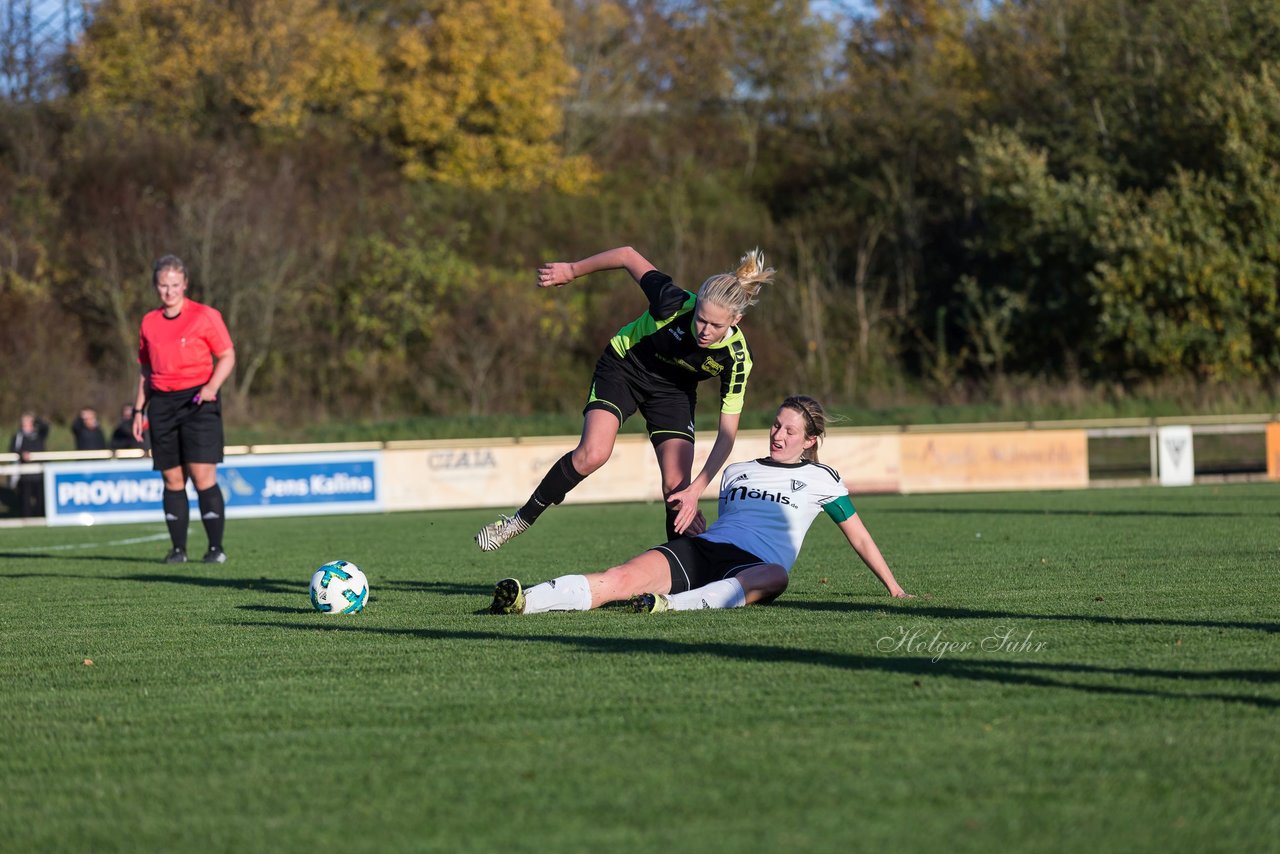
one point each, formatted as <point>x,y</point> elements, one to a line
<point>1014,460</point>
<point>1273,450</point>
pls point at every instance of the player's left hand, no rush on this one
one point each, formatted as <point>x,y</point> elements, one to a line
<point>697,526</point>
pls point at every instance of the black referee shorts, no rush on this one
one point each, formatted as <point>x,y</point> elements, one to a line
<point>183,431</point>
<point>619,387</point>
<point>695,561</point>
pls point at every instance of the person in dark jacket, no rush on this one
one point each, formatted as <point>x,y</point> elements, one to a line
<point>87,431</point>
<point>122,436</point>
<point>29,439</point>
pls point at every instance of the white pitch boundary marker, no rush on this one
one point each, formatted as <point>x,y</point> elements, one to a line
<point>151,538</point>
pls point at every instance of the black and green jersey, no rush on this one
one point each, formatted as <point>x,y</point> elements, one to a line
<point>662,342</point>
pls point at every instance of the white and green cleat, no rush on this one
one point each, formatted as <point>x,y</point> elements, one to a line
<point>497,534</point>
<point>508,597</point>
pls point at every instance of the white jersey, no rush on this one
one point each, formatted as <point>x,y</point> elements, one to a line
<point>766,507</point>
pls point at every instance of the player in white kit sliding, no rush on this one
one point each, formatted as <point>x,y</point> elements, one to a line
<point>746,555</point>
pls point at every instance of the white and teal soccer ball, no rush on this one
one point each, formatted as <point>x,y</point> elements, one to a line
<point>339,587</point>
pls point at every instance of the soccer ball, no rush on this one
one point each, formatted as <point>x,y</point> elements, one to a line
<point>339,587</point>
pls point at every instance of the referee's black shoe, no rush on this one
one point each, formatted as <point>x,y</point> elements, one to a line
<point>214,555</point>
<point>176,555</point>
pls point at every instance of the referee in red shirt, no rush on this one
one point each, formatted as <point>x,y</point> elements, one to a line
<point>186,354</point>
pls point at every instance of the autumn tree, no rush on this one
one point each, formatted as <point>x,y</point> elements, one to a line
<point>209,68</point>
<point>465,91</point>
<point>475,95</point>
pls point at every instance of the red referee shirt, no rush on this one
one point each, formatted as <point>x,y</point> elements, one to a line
<point>179,350</point>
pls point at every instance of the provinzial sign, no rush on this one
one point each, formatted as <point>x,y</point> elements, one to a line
<point>95,493</point>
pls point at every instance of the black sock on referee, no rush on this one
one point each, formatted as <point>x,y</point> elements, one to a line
<point>176,515</point>
<point>555,485</point>
<point>213,513</point>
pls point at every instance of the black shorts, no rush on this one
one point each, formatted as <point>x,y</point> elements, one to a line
<point>619,387</point>
<point>182,431</point>
<point>695,561</point>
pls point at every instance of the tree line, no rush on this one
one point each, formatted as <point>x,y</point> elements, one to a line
<point>957,194</point>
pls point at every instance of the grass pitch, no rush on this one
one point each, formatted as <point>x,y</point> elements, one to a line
<point>1091,670</point>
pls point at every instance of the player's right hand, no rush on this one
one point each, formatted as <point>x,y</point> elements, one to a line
<point>555,274</point>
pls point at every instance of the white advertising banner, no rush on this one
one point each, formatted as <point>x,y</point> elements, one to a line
<point>1177,456</point>
<point>503,472</point>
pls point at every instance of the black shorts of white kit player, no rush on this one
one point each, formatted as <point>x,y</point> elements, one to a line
<point>183,431</point>
<point>696,562</point>
<point>620,387</point>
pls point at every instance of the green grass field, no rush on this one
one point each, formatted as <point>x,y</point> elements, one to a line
<point>1083,671</point>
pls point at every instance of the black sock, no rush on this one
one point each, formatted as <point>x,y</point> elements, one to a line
<point>555,485</point>
<point>176,515</point>
<point>672,512</point>
<point>213,512</point>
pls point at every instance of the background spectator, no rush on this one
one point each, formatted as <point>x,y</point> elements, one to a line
<point>30,438</point>
<point>88,431</point>
<point>122,436</point>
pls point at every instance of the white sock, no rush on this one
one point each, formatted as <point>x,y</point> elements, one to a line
<point>566,593</point>
<point>727,593</point>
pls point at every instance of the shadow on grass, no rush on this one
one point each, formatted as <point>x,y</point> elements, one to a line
<point>983,670</point>
<point>275,609</point>
<point>944,613</point>
<point>61,556</point>
<point>266,585</point>
<point>444,588</point>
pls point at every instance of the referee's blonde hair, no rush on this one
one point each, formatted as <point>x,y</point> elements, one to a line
<point>738,290</point>
<point>815,421</point>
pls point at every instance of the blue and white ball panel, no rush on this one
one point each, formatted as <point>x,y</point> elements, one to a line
<point>339,587</point>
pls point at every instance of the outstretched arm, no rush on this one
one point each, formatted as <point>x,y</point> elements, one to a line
<point>556,274</point>
<point>860,538</point>
<point>687,499</point>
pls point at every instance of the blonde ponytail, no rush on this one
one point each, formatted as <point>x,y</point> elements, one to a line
<point>738,290</point>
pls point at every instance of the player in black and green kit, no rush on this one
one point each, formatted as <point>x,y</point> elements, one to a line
<point>654,364</point>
